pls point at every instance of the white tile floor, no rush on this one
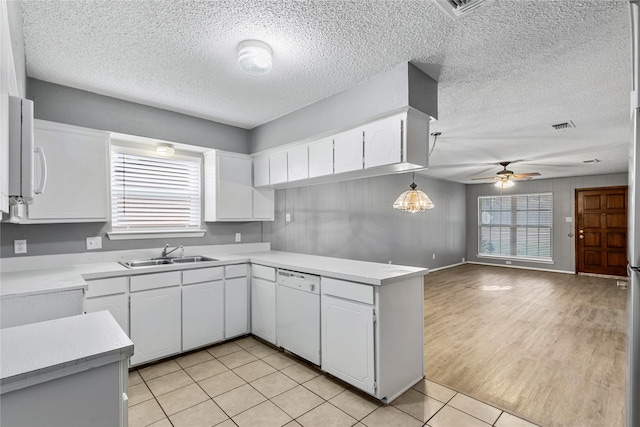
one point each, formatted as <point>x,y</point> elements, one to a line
<point>247,383</point>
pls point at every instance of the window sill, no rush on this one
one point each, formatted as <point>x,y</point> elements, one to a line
<point>165,234</point>
<point>521,259</point>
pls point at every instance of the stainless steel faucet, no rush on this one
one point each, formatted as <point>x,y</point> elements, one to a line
<point>165,252</point>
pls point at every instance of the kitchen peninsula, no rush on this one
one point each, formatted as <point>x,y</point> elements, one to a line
<point>360,302</point>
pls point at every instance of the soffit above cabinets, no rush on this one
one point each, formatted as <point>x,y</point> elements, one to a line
<point>506,71</point>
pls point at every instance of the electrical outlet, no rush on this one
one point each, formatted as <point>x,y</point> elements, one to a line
<point>94,243</point>
<point>19,246</point>
<point>508,262</point>
<point>464,260</point>
<point>287,217</point>
<point>238,237</point>
<point>434,256</point>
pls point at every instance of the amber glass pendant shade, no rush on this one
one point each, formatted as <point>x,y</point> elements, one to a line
<point>413,200</point>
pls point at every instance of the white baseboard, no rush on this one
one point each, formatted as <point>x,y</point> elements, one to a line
<point>521,267</point>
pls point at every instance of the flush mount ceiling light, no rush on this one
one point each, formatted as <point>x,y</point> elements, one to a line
<point>254,57</point>
<point>165,149</point>
<point>504,183</point>
<point>413,200</point>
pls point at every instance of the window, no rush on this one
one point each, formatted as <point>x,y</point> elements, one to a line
<point>518,226</point>
<point>154,196</point>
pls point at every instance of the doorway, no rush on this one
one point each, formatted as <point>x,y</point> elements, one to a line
<point>601,230</point>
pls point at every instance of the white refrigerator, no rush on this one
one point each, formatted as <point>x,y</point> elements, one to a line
<point>632,418</point>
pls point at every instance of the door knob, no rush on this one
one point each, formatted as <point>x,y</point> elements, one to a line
<point>581,236</point>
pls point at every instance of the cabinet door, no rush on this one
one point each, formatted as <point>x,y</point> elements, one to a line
<point>117,305</point>
<point>236,301</point>
<point>76,184</point>
<point>261,171</point>
<point>348,342</point>
<point>202,314</point>
<point>383,142</point>
<point>263,205</point>
<point>263,309</point>
<point>155,324</point>
<point>234,187</point>
<point>348,151</point>
<point>321,158</point>
<point>298,163</point>
<point>278,167</point>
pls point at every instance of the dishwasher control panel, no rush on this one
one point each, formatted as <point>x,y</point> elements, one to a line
<point>303,281</point>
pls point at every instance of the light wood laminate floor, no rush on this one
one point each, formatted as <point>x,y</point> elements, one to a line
<point>548,347</point>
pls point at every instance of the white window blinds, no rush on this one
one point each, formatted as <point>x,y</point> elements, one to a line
<point>153,193</point>
<point>518,226</point>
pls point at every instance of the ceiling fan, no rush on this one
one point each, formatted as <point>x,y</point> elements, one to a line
<point>505,177</point>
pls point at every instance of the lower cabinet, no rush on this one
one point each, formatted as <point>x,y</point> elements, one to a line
<point>117,305</point>
<point>155,324</point>
<point>202,314</point>
<point>236,301</point>
<point>263,302</point>
<point>348,341</point>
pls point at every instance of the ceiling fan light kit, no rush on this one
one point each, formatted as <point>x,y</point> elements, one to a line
<point>504,183</point>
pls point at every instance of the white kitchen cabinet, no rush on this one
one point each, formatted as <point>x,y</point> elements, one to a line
<point>321,158</point>
<point>348,150</point>
<point>228,191</point>
<point>202,314</point>
<point>109,294</point>
<point>263,302</point>
<point>278,167</point>
<point>236,300</point>
<point>263,204</point>
<point>227,186</point>
<point>298,163</point>
<point>348,341</point>
<point>383,141</point>
<point>117,305</point>
<point>360,339</point>
<point>76,185</point>
<point>155,323</point>
<point>261,171</point>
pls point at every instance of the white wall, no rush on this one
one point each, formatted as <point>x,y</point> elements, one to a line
<point>563,190</point>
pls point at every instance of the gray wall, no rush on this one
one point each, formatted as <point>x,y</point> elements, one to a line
<point>399,87</point>
<point>48,239</point>
<point>354,219</point>
<point>77,107</point>
<point>563,190</point>
<point>67,105</point>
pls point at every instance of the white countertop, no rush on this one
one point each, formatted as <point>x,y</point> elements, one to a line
<point>41,280</point>
<point>42,351</point>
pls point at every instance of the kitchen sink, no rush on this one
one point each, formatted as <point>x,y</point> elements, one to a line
<point>153,262</point>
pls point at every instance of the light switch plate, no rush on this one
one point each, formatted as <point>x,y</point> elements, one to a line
<point>238,237</point>
<point>94,243</point>
<point>287,217</point>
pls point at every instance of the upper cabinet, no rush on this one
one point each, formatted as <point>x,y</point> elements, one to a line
<point>396,143</point>
<point>72,167</point>
<point>228,191</point>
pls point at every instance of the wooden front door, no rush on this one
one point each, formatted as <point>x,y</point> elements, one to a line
<point>601,225</point>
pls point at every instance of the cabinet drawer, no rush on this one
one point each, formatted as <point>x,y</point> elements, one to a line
<point>239,270</point>
<point>153,281</point>
<point>110,286</point>
<point>348,290</point>
<point>202,275</point>
<point>263,272</point>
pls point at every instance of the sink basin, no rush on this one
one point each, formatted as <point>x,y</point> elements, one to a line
<point>195,258</point>
<point>153,262</point>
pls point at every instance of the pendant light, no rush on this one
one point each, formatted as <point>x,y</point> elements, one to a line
<point>413,200</point>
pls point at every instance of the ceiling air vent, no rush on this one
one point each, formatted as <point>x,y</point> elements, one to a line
<point>563,126</point>
<point>458,8</point>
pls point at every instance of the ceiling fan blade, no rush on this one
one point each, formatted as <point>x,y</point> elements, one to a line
<point>492,177</point>
<point>525,175</point>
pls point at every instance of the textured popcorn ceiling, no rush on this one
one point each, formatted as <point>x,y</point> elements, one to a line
<point>506,72</point>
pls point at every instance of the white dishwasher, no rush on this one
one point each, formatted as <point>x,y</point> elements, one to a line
<point>299,314</point>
